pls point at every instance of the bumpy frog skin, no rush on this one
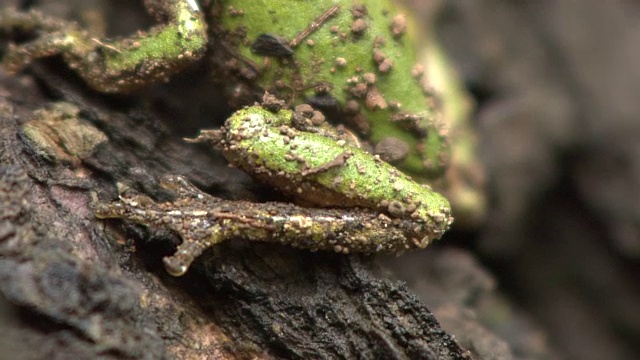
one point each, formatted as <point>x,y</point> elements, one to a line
<point>383,209</point>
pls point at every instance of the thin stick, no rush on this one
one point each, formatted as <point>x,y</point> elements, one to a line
<point>315,25</point>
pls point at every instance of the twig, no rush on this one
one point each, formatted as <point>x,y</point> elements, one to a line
<point>315,25</point>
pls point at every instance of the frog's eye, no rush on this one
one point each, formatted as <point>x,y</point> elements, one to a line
<point>271,45</point>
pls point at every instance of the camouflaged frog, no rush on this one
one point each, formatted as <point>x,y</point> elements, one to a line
<point>348,61</point>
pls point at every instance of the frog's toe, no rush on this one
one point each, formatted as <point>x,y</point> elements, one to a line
<point>19,56</point>
<point>180,185</point>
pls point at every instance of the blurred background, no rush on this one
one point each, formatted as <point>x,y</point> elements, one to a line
<point>553,269</point>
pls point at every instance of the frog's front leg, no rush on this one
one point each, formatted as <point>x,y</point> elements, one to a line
<point>112,66</point>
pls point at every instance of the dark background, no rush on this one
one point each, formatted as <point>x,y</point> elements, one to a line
<point>556,85</point>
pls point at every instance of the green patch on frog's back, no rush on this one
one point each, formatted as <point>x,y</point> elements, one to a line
<point>339,57</point>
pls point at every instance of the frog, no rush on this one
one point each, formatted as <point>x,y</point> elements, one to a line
<point>381,208</point>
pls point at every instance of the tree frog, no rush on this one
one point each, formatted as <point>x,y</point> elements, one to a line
<point>295,151</point>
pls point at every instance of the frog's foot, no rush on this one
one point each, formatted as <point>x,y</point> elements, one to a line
<point>178,263</point>
<point>189,216</point>
<point>197,234</point>
<point>118,66</point>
